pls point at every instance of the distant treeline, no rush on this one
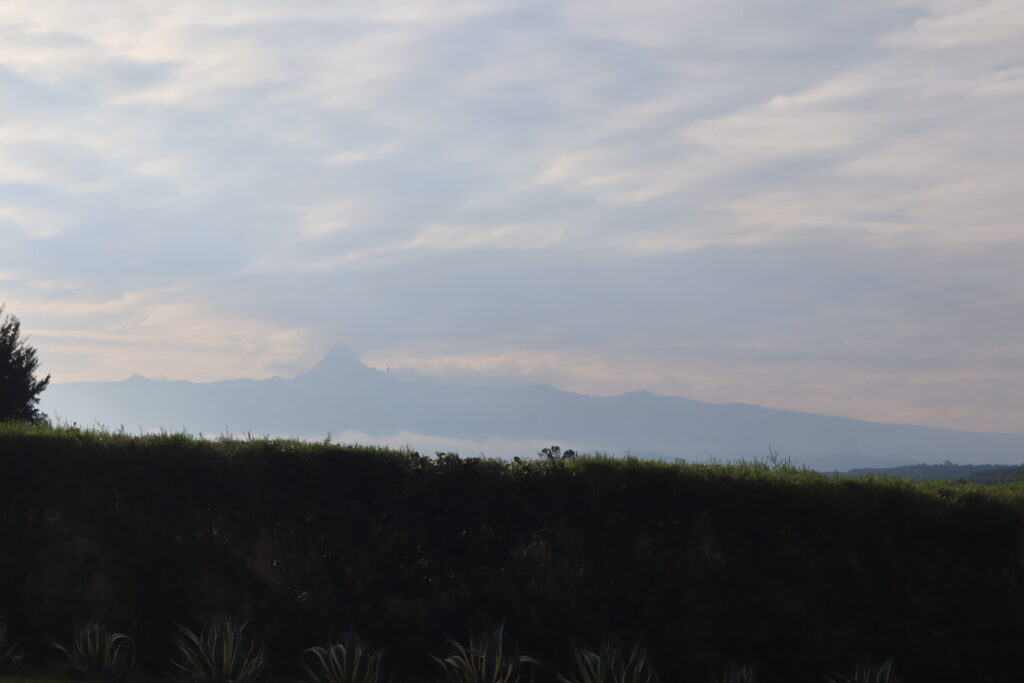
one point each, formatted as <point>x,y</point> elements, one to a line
<point>946,471</point>
<point>794,573</point>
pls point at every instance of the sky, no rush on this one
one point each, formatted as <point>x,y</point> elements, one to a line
<point>804,204</point>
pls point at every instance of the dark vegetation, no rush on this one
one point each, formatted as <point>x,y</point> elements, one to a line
<point>19,387</point>
<point>97,654</point>
<point>795,574</point>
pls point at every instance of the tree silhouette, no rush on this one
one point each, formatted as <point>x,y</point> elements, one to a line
<point>19,389</point>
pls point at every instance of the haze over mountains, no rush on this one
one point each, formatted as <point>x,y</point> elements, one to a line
<point>340,393</point>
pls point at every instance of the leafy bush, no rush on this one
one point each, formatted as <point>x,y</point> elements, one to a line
<point>486,660</point>
<point>345,661</point>
<point>97,654</point>
<point>609,665</point>
<point>10,653</point>
<point>221,653</point>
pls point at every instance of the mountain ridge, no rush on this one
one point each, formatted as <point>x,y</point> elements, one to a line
<point>340,392</point>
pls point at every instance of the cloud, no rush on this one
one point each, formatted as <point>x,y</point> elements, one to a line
<point>804,204</point>
<point>832,325</point>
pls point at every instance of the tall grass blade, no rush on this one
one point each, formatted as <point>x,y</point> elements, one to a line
<point>344,661</point>
<point>866,674</point>
<point>610,665</point>
<point>221,653</point>
<point>486,660</point>
<point>98,655</point>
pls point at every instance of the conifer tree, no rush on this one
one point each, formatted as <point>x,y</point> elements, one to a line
<point>19,388</point>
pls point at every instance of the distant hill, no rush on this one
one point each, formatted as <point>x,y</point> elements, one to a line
<point>946,471</point>
<point>341,393</point>
<point>998,474</point>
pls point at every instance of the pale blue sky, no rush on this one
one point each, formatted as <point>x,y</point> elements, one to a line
<point>802,204</point>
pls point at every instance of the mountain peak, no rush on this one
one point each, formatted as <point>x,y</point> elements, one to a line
<point>340,362</point>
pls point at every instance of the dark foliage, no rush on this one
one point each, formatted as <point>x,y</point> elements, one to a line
<point>487,659</point>
<point>96,654</point>
<point>555,454</point>
<point>797,574</point>
<point>347,660</point>
<point>19,388</point>
<point>223,652</point>
<point>610,664</point>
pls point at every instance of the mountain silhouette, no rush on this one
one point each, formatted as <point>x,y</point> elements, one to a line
<point>341,393</point>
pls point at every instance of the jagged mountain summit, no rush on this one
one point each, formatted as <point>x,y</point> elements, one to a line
<point>341,393</point>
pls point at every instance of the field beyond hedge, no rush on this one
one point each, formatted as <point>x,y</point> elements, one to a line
<point>795,573</point>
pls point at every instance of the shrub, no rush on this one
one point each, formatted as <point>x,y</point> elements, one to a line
<point>221,653</point>
<point>609,665</point>
<point>97,654</point>
<point>486,660</point>
<point>345,661</point>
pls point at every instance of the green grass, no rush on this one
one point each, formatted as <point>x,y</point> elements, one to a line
<point>233,447</point>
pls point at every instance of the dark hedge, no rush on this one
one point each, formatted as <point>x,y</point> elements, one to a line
<point>795,573</point>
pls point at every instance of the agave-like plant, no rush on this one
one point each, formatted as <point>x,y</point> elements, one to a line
<point>486,660</point>
<point>10,653</point>
<point>221,653</point>
<point>869,674</point>
<point>739,674</point>
<point>610,665</point>
<point>98,654</point>
<point>343,661</point>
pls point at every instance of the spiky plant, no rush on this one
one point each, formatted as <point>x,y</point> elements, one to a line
<point>610,665</point>
<point>98,654</point>
<point>10,653</point>
<point>868,674</point>
<point>739,674</point>
<point>486,660</point>
<point>343,661</point>
<point>221,653</point>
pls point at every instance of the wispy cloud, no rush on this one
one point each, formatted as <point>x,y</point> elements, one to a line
<point>806,204</point>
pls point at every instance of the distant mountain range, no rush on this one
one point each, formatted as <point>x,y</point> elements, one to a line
<point>341,393</point>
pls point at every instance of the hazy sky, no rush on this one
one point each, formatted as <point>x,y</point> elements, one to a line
<point>807,204</point>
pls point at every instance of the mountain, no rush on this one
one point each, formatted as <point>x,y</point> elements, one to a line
<point>342,393</point>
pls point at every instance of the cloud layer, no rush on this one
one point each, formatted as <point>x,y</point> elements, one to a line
<point>808,205</point>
